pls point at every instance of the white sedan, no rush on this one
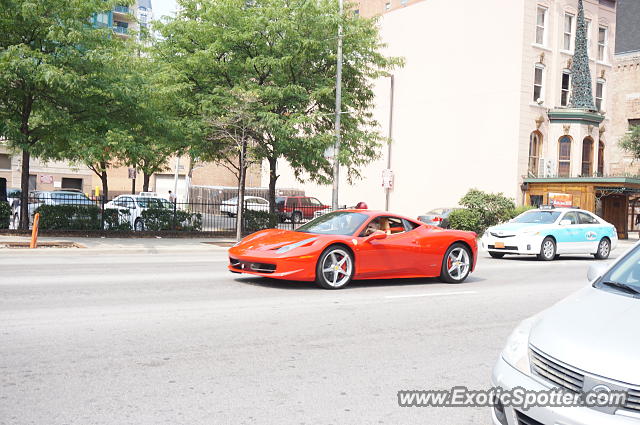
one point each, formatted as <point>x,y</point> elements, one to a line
<point>254,203</point>
<point>548,232</point>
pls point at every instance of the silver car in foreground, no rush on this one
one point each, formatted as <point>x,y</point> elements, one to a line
<point>586,343</point>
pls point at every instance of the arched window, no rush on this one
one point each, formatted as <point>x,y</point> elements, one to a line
<point>535,147</point>
<point>601,158</point>
<point>564,156</point>
<point>587,156</point>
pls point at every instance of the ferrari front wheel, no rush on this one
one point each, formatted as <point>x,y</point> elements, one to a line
<point>335,268</point>
<point>456,264</point>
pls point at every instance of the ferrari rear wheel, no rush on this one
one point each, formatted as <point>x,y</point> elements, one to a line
<point>335,268</point>
<point>456,264</point>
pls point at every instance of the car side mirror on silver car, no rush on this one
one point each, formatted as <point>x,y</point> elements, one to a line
<point>596,270</point>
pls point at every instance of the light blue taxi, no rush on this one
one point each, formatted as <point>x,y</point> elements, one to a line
<point>548,232</point>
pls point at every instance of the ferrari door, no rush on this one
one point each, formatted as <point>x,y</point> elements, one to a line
<point>392,256</point>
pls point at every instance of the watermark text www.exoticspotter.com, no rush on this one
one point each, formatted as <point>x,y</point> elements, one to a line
<point>517,397</point>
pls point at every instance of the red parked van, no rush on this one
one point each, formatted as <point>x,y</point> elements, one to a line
<point>297,208</point>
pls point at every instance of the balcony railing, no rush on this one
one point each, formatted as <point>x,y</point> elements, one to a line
<point>121,9</point>
<point>120,30</point>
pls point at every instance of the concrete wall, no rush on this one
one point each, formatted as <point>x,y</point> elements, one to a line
<point>625,105</point>
<point>456,112</point>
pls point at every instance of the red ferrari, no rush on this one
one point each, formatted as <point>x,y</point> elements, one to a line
<point>343,245</point>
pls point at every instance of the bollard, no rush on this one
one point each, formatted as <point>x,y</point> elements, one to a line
<point>34,231</point>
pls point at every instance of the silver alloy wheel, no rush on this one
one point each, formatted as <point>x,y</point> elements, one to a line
<point>337,268</point>
<point>548,249</point>
<point>458,263</point>
<point>603,248</point>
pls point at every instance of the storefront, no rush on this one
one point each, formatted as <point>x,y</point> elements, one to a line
<point>615,199</point>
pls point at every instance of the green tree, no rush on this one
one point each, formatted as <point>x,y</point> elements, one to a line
<point>49,53</point>
<point>482,210</point>
<point>631,141</point>
<point>284,53</point>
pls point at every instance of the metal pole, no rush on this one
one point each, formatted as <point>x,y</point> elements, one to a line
<point>387,195</point>
<point>336,149</point>
<point>175,177</point>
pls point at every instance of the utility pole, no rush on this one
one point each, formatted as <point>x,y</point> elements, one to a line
<point>388,190</point>
<point>336,148</point>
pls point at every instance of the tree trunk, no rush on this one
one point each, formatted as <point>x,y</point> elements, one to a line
<point>145,182</point>
<point>273,177</point>
<point>241,184</point>
<point>24,187</point>
<point>103,179</point>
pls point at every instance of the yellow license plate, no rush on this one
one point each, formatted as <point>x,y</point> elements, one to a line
<point>499,245</point>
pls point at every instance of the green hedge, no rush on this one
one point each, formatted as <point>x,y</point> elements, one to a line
<point>466,219</point>
<point>117,220</point>
<point>257,220</point>
<point>5,215</point>
<point>69,217</point>
<point>156,219</point>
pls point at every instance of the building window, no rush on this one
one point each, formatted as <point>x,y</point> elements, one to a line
<point>535,200</point>
<point>356,12</point>
<point>566,86</point>
<point>602,43</point>
<point>564,156</point>
<point>403,2</point>
<point>535,147</point>
<point>541,21</point>
<point>599,94</point>
<point>5,161</point>
<point>587,156</point>
<point>633,122</point>
<point>387,6</point>
<point>601,158</point>
<point>537,83</point>
<point>68,183</point>
<point>102,20</point>
<point>568,31</point>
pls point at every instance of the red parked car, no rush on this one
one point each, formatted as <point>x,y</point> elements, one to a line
<point>297,208</point>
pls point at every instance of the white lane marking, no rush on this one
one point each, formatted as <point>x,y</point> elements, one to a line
<point>431,294</point>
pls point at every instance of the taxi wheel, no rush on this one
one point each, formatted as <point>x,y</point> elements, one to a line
<point>604,249</point>
<point>456,264</point>
<point>494,254</point>
<point>547,250</point>
<point>335,268</point>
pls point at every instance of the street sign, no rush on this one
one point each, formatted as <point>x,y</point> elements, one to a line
<point>46,179</point>
<point>132,173</point>
<point>387,178</point>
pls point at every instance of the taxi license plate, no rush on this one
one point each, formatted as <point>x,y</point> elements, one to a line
<point>499,245</point>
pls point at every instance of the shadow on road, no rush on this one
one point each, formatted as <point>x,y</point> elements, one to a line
<point>298,285</point>
<point>527,258</point>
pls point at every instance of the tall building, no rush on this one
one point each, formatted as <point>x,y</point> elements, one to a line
<point>483,101</point>
<point>125,20</point>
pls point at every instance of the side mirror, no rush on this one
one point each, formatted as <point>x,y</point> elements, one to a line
<point>596,270</point>
<point>565,222</point>
<point>378,234</point>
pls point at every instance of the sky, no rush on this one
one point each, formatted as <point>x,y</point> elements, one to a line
<point>162,7</point>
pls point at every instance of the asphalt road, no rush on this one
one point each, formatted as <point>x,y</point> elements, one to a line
<point>161,337</point>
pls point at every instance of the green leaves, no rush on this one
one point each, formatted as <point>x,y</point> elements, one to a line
<point>631,141</point>
<point>284,53</point>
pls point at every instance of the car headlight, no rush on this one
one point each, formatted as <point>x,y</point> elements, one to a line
<point>516,352</point>
<point>287,248</point>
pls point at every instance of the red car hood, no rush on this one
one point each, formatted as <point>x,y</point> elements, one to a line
<point>269,239</point>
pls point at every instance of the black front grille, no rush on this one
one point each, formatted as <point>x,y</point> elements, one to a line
<point>500,236</point>
<point>508,247</point>
<point>248,265</point>
<point>552,370</point>
<point>526,420</point>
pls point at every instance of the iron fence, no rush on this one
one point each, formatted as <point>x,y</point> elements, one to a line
<point>71,211</point>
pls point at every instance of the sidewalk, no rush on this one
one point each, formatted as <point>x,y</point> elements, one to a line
<point>122,245</point>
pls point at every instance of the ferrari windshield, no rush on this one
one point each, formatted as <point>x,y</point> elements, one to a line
<point>335,223</point>
<point>537,216</point>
